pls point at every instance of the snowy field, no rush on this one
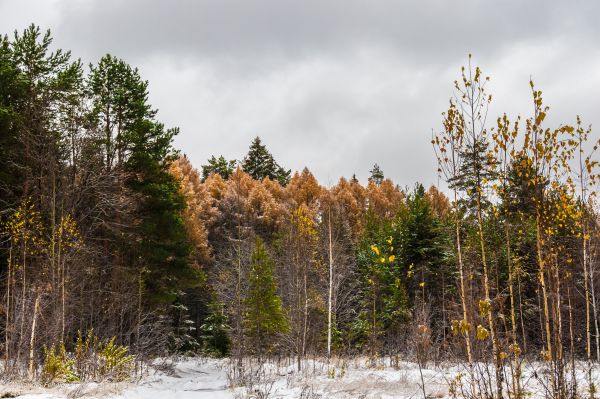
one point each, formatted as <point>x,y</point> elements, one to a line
<point>208,379</point>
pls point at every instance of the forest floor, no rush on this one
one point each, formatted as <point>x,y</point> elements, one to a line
<point>209,379</point>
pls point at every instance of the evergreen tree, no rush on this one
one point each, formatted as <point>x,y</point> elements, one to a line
<point>376,175</point>
<point>119,103</point>
<point>476,171</point>
<point>383,299</point>
<point>214,332</point>
<point>163,246</point>
<point>421,250</point>
<point>134,143</point>
<point>182,339</point>
<point>219,165</point>
<point>11,100</point>
<point>265,317</point>
<point>259,163</point>
<point>48,80</point>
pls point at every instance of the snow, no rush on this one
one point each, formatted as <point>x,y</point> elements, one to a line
<point>201,378</point>
<point>191,378</point>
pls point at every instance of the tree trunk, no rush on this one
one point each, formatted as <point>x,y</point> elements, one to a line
<point>32,340</point>
<point>330,294</point>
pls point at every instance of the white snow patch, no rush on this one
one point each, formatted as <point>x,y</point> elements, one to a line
<point>201,378</point>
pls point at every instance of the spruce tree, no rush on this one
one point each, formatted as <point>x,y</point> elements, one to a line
<point>259,163</point>
<point>476,171</point>
<point>265,317</point>
<point>421,249</point>
<point>214,332</point>
<point>383,298</point>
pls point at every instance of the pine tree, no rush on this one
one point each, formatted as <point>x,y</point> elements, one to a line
<point>265,317</point>
<point>259,163</point>
<point>376,175</point>
<point>163,246</point>
<point>11,100</point>
<point>219,165</point>
<point>120,101</point>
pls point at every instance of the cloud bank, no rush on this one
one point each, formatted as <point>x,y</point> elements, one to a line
<point>335,86</point>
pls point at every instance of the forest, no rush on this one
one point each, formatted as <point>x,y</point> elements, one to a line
<point>116,250</point>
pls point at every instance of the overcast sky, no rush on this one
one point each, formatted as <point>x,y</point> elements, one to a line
<point>332,85</point>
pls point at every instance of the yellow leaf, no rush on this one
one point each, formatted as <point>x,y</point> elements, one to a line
<point>375,249</point>
<point>482,333</point>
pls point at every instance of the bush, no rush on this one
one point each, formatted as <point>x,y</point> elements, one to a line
<point>115,363</point>
<point>92,360</point>
<point>58,366</point>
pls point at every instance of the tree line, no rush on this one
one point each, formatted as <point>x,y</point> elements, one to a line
<point>92,232</point>
<point>105,226</point>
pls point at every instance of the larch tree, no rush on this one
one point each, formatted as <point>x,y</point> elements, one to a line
<point>474,177</point>
<point>448,146</point>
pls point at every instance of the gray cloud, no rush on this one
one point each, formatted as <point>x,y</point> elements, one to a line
<point>331,85</point>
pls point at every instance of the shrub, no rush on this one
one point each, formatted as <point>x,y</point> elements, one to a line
<point>115,363</point>
<point>92,359</point>
<point>58,366</point>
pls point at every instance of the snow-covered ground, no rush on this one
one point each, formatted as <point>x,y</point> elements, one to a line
<point>191,378</point>
<point>208,379</point>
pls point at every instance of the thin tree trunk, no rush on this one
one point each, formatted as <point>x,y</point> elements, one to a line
<point>516,377</point>
<point>523,335</point>
<point>595,313</point>
<point>542,281</point>
<point>572,342</point>
<point>330,295</point>
<point>490,313</point>
<point>584,238</point>
<point>463,297</point>
<point>23,292</point>
<point>305,315</point>
<point>32,340</point>
<point>61,273</point>
<point>7,328</point>
<point>559,333</point>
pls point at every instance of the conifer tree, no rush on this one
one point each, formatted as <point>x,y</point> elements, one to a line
<point>420,248</point>
<point>214,332</point>
<point>259,163</point>
<point>265,317</point>
<point>164,246</point>
<point>219,165</point>
<point>11,100</point>
<point>384,301</point>
<point>120,102</point>
<point>376,175</point>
